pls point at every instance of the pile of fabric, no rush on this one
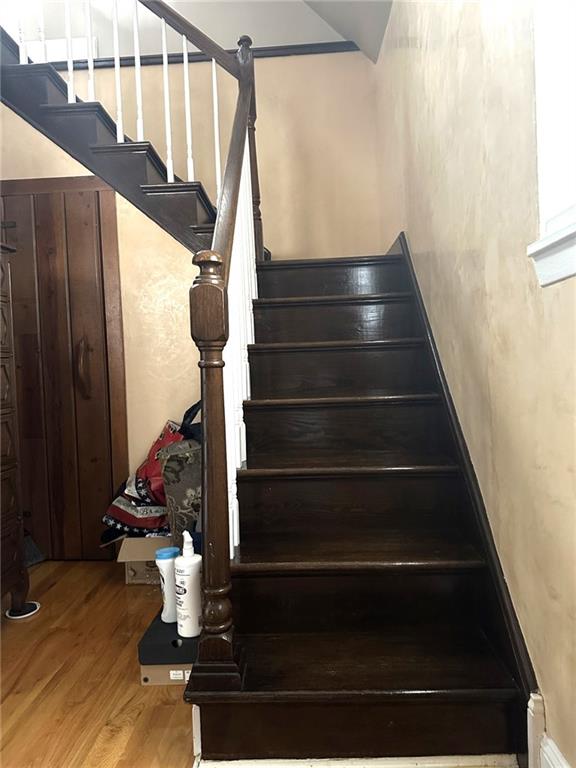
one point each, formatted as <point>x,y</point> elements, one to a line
<point>140,507</point>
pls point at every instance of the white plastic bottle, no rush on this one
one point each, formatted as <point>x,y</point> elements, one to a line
<point>188,589</point>
<point>165,560</point>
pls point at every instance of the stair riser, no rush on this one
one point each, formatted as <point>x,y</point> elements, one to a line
<point>371,321</point>
<point>79,131</point>
<point>181,210</point>
<point>135,166</point>
<point>340,372</point>
<point>379,277</point>
<point>366,434</point>
<point>321,730</point>
<point>273,507</point>
<point>29,92</point>
<point>349,601</point>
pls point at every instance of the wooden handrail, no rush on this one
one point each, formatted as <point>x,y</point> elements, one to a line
<point>194,35</point>
<point>228,206</point>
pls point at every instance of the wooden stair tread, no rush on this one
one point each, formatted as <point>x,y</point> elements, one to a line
<point>449,468</point>
<point>422,661</point>
<point>337,261</point>
<point>354,298</point>
<point>346,344</point>
<point>361,459</point>
<point>343,548</point>
<point>312,402</point>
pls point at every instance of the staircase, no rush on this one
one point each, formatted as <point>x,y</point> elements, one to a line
<point>365,591</point>
<point>364,613</point>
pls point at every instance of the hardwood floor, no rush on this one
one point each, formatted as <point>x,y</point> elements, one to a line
<point>71,696</point>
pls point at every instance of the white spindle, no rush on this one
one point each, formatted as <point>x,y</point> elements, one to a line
<point>69,52</point>
<point>21,41</point>
<point>167,117</point>
<point>138,75</point>
<point>90,51</point>
<point>241,291</point>
<point>117,75</point>
<point>187,110</point>
<point>42,32</point>
<point>216,116</point>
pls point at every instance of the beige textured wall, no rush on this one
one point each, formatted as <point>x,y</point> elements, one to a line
<point>162,377</point>
<point>316,137</point>
<point>458,171</point>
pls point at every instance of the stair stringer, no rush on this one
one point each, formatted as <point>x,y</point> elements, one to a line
<point>509,639</point>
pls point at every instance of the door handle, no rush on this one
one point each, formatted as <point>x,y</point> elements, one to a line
<point>83,381</point>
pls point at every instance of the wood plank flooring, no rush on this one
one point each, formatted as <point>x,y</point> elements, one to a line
<point>71,696</point>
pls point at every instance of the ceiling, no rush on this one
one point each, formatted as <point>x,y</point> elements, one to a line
<point>363,21</point>
<point>268,22</point>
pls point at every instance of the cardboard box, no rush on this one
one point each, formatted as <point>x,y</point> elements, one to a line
<point>165,658</point>
<point>138,556</point>
<point>164,674</point>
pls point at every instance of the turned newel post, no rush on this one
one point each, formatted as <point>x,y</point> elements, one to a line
<point>217,654</point>
<point>246,58</point>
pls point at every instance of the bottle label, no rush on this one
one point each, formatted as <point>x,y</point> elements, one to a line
<point>180,590</point>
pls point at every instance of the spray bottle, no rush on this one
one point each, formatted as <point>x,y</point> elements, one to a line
<point>188,589</point>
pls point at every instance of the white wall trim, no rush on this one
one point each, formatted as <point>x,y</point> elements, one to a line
<point>467,761</point>
<point>554,256</point>
<point>196,736</point>
<point>536,728</point>
<point>550,755</point>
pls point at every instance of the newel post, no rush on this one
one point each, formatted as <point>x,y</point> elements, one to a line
<point>246,59</point>
<point>218,663</point>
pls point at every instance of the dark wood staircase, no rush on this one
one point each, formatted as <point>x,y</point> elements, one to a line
<point>370,613</point>
<point>365,592</point>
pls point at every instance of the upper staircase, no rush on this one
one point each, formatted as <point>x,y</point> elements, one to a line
<point>364,612</point>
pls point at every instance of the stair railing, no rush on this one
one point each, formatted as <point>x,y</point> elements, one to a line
<point>224,287</point>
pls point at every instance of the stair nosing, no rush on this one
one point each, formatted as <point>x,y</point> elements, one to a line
<point>328,402</point>
<point>505,693</point>
<point>309,567</point>
<point>355,298</point>
<point>246,473</point>
<point>304,346</point>
<point>331,262</point>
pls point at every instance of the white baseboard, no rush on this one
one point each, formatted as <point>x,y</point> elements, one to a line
<point>465,761</point>
<point>550,755</point>
<point>536,729</point>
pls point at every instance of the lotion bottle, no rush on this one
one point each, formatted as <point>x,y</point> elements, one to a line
<point>165,559</point>
<point>188,589</point>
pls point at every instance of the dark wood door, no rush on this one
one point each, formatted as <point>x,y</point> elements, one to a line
<point>69,360</point>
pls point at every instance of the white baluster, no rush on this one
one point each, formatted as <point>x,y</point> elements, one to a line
<point>42,32</point>
<point>250,261</point>
<point>21,42</point>
<point>69,53</point>
<point>187,110</point>
<point>167,118</point>
<point>236,371</point>
<point>138,75</point>
<point>216,116</point>
<point>231,370</point>
<point>90,51</point>
<point>117,75</point>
